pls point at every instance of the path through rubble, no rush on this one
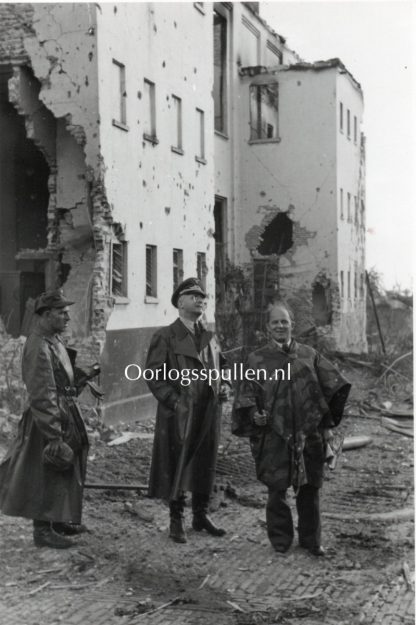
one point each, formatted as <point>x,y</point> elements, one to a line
<point>127,571</point>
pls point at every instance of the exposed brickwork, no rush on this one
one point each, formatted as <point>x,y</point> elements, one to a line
<point>15,24</point>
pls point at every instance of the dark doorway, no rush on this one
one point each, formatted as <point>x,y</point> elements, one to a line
<point>24,198</point>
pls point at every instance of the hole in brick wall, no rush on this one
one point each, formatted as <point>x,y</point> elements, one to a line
<point>277,237</point>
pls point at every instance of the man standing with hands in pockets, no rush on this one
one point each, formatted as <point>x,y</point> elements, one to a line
<point>188,416</point>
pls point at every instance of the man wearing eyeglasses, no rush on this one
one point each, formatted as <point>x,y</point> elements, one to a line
<point>188,414</point>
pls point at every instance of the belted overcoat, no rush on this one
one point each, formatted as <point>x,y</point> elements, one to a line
<point>188,415</point>
<point>28,487</point>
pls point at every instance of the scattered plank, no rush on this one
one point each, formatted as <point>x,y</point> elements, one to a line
<point>393,426</point>
<point>38,589</point>
<point>354,442</point>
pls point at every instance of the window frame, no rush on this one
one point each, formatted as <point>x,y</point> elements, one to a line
<point>260,116</point>
<point>201,268</point>
<point>151,293</point>
<point>122,122</point>
<point>177,264</point>
<point>200,158</point>
<point>152,136</point>
<point>122,296</point>
<point>178,148</point>
<point>223,73</point>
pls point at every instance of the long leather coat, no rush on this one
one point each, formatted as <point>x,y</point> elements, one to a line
<point>289,450</point>
<point>28,487</point>
<point>188,416</point>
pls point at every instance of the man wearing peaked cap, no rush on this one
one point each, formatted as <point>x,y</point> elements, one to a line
<point>191,285</point>
<point>42,475</point>
<point>188,414</point>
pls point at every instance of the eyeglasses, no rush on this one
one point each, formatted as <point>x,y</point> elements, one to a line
<point>195,296</point>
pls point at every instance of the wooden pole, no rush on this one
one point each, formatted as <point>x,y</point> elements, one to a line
<point>370,290</point>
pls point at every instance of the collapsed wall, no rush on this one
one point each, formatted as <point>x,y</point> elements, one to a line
<point>55,217</point>
<point>51,50</point>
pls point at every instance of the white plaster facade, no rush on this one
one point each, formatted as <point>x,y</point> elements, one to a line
<point>299,172</point>
<point>161,197</point>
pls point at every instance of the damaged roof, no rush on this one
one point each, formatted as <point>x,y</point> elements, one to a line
<point>319,65</point>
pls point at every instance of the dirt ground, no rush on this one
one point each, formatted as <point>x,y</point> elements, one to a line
<point>126,570</point>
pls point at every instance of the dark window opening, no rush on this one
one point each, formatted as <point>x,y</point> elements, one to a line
<point>321,308</point>
<point>264,108</point>
<point>220,208</point>
<point>277,237</point>
<point>119,269</point>
<point>220,71</point>
<point>24,199</point>
<point>201,267</point>
<point>151,271</point>
<point>177,267</point>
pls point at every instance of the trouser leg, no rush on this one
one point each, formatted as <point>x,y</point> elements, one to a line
<point>309,516</point>
<point>279,520</point>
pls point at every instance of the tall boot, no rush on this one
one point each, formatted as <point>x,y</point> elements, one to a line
<point>45,536</point>
<point>177,530</point>
<point>201,520</point>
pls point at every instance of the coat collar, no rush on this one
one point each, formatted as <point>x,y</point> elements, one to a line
<point>184,343</point>
<point>273,347</point>
<point>57,345</point>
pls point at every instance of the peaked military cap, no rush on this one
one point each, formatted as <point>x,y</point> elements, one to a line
<point>51,299</point>
<point>190,285</point>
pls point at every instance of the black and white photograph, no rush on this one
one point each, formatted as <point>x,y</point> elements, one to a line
<point>206,313</point>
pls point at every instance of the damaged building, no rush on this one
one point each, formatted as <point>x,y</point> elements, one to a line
<point>145,142</point>
<point>290,177</point>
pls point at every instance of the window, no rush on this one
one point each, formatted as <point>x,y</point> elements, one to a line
<point>341,117</point>
<point>362,286</point>
<point>220,213</point>
<point>151,271</point>
<point>250,42</point>
<point>220,71</point>
<point>341,202</point>
<point>177,267</point>
<point>200,121</point>
<point>355,210</point>
<point>149,132</point>
<point>349,206</point>
<point>177,124</point>
<point>355,129</point>
<point>119,269</point>
<point>264,112</point>
<point>119,100</point>
<point>341,276</point>
<point>349,285</point>
<point>348,124</point>
<point>355,285</point>
<point>201,267</point>
<point>273,55</point>
<point>362,212</point>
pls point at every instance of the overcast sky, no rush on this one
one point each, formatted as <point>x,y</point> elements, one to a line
<point>373,39</point>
